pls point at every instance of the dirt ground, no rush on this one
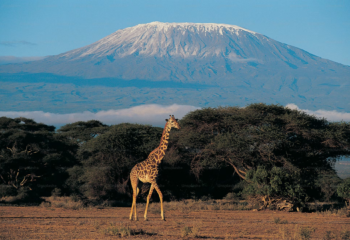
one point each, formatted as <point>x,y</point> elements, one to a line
<point>91,223</point>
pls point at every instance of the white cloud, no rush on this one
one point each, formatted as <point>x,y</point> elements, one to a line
<point>333,116</point>
<point>144,114</point>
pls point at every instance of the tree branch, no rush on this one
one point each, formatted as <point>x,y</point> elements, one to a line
<point>2,178</point>
<point>237,171</point>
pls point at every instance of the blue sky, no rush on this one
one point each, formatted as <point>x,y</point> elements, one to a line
<point>43,27</point>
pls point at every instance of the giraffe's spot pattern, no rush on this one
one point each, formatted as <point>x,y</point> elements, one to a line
<point>147,171</point>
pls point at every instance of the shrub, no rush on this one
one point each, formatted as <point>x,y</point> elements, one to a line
<point>276,184</point>
<point>232,196</point>
<point>24,196</point>
<point>305,233</point>
<point>124,231</point>
<point>56,192</point>
<point>343,191</point>
<point>280,221</point>
<point>345,235</point>
<point>6,190</point>
<point>185,231</point>
<point>119,231</point>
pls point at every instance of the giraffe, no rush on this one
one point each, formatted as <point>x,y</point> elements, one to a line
<point>147,171</point>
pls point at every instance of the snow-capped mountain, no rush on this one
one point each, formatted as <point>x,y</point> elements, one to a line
<point>244,66</point>
<point>186,52</point>
<point>156,39</point>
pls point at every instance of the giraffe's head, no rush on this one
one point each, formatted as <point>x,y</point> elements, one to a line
<point>173,122</point>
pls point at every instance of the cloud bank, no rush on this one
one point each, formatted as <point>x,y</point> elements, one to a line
<point>13,59</point>
<point>145,114</point>
<point>332,116</point>
<point>152,114</point>
<point>16,43</point>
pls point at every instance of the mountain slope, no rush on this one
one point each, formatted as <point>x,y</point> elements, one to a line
<point>190,63</point>
<point>187,52</point>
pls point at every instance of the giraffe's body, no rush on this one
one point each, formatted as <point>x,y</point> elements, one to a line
<point>147,171</point>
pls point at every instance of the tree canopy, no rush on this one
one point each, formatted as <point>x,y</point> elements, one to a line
<point>278,156</point>
<point>289,142</point>
<point>81,131</point>
<point>106,160</point>
<point>33,156</point>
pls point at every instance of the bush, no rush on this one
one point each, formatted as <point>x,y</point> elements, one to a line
<point>24,196</point>
<point>185,231</point>
<point>56,192</point>
<point>343,191</point>
<point>276,185</point>
<point>6,190</point>
<point>305,233</point>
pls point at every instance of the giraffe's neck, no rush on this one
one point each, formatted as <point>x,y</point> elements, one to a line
<point>158,153</point>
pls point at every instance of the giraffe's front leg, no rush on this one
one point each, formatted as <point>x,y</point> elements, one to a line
<point>161,200</point>
<point>135,192</point>
<point>133,207</point>
<point>148,197</point>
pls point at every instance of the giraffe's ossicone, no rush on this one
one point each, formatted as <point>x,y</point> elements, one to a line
<point>147,171</point>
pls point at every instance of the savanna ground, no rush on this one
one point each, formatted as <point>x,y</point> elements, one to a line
<point>184,220</point>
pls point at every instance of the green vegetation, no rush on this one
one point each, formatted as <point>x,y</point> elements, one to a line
<point>274,156</point>
<point>82,132</point>
<point>33,159</point>
<point>344,190</point>
<point>106,160</point>
<point>282,155</point>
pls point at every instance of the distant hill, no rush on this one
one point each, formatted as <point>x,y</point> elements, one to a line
<point>198,64</point>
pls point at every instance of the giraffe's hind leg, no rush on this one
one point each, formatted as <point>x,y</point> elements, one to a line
<point>134,181</point>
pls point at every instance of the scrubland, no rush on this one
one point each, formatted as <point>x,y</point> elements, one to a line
<point>62,218</point>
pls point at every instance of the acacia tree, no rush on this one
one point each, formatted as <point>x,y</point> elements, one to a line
<point>81,131</point>
<point>32,156</point>
<point>291,142</point>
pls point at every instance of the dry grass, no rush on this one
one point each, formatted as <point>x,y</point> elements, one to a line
<point>342,212</point>
<point>193,205</point>
<point>296,233</point>
<point>62,202</point>
<point>280,221</point>
<point>124,231</point>
<point>186,231</point>
<point>191,231</point>
<point>335,235</point>
<point>188,219</point>
<point>121,231</point>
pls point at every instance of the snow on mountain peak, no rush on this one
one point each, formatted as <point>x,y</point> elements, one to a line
<point>164,39</point>
<point>207,27</point>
